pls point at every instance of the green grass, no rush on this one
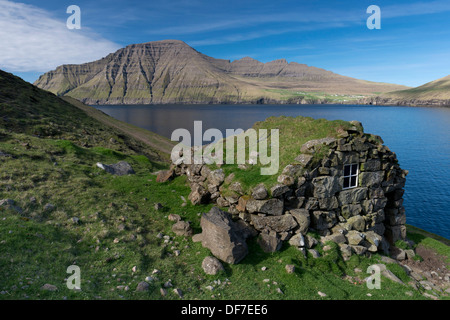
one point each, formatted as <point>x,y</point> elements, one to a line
<point>117,230</point>
<point>313,97</point>
<point>293,133</point>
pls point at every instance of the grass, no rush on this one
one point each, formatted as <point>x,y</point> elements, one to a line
<point>117,230</point>
<point>293,133</point>
<point>108,225</point>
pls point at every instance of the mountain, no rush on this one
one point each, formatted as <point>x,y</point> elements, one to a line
<point>170,71</point>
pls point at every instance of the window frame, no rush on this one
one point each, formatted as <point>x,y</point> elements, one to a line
<point>350,176</point>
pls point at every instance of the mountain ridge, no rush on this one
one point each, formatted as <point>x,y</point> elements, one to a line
<point>170,71</point>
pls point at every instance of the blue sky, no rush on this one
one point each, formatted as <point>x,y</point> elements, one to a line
<point>411,48</point>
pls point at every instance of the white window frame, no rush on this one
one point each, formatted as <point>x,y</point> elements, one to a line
<point>350,176</point>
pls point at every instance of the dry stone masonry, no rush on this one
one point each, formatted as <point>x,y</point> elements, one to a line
<point>347,189</point>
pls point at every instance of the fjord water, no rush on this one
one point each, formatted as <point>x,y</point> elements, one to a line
<point>419,136</point>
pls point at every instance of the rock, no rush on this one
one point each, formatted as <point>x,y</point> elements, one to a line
<point>182,228</point>
<point>410,254</point>
<point>158,206</point>
<point>321,294</point>
<point>346,250</point>
<point>221,235</point>
<point>259,192</point>
<point>315,254</point>
<point>373,238</point>
<point>356,223</point>
<point>350,210</point>
<point>279,190</point>
<point>270,206</point>
<point>286,180</point>
<point>212,265</point>
<point>49,287</point>
<point>290,268</point>
<point>314,145</point>
<point>245,229</point>
<point>165,175</point>
<point>398,254</point>
<point>221,202</point>
<point>197,237</point>
<point>335,237</point>
<point>354,195</point>
<point>178,292</point>
<point>310,241</point>
<point>388,274</point>
<point>303,219</point>
<point>323,220</point>
<point>277,223</point>
<point>174,217</point>
<point>328,203</point>
<point>279,291</point>
<point>119,169</point>
<point>216,177</point>
<point>242,203</point>
<point>325,186</point>
<point>304,159</point>
<point>163,292</point>
<point>371,165</point>
<point>359,250</point>
<point>236,187</point>
<point>297,240</point>
<point>198,194</point>
<point>371,179</point>
<point>269,242</point>
<point>142,286</point>
<point>354,237</point>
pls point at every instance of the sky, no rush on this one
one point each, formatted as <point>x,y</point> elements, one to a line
<point>411,48</point>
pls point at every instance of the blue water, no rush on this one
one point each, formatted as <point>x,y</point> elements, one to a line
<point>419,136</point>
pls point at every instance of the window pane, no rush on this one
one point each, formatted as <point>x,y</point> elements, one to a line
<point>354,169</point>
<point>353,182</point>
<point>346,170</point>
<point>346,182</point>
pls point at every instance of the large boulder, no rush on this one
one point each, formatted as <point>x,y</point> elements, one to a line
<point>222,236</point>
<point>119,169</point>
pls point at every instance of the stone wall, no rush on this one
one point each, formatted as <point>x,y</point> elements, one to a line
<point>310,196</point>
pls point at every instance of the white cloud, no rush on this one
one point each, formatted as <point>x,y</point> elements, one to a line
<point>31,39</point>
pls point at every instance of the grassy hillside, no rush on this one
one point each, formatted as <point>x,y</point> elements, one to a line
<point>437,89</point>
<point>67,211</point>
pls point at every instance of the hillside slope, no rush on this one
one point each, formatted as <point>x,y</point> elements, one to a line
<point>437,89</point>
<point>170,71</point>
<point>27,109</point>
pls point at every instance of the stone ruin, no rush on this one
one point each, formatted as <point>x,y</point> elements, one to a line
<point>352,195</point>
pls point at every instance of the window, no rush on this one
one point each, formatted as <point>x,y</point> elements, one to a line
<point>350,175</point>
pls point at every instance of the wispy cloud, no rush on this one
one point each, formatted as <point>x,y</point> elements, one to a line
<point>31,39</point>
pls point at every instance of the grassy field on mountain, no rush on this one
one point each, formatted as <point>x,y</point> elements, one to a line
<point>67,211</point>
